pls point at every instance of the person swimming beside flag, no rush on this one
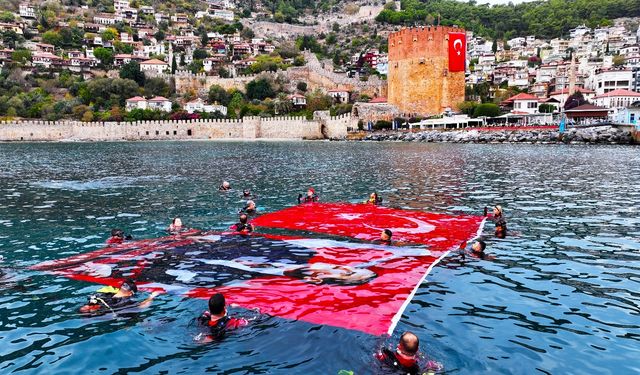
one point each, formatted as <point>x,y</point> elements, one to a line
<point>499,221</point>
<point>243,226</point>
<point>374,199</point>
<point>218,320</point>
<point>118,237</point>
<point>406,357</point>
<point>109,299</point>
<point>311,197</point>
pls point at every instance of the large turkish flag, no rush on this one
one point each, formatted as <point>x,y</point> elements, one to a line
<point>457,52</point>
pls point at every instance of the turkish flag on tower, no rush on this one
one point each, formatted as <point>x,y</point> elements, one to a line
<point>457,52</point>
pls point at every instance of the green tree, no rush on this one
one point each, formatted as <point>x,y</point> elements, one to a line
<point>546,108</point>
<point>105,55</point>
<point>131,70</point>
<point>157,87</point>
<point>467,107</point>
<point>21,56</point>
<point>52,37</point>
<point>301,86</point>
<point>486,110</point>
<point>200,54</point>
<point>219,95</point>
<point>260,89</point>
<point>110,34</point>
<point>619,60</point>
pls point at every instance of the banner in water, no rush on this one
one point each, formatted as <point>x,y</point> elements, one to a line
<point>359,286</point>
<point>366,222</point>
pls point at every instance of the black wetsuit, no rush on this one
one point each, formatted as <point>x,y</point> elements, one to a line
<point>242,227</point>
<point>108,302</point>
<point>389,358</point>
<point>500,223</point>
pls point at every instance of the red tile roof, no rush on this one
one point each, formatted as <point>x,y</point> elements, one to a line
<point>619,92</point>
<point>521,96</point>
<point>381,99</point>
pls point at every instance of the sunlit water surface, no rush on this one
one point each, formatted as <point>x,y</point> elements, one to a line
<point>561,295</point>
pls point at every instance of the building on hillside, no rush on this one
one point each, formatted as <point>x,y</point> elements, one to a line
<point>607,80</point>
<point>27,10</point>
<point>426,69</point>
<point>199,105</point>
<point>587,114</point>
<point>137,102</point>
<point>562,95</point>
<point>45,59</point>
<point>635,79</point>
<point>522,103</point>
<point>617,99</point>
<point>105,19</point>
<point>159,103</point>
<point>339,96</point>
<point>298,100</point>
<point>629,115</point>
<point>154,66</point>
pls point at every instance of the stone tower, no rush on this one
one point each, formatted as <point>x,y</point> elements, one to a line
<point>422,79</point>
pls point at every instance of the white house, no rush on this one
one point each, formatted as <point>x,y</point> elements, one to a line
<point>340,96</point>
<point>606,80</point>
<point>298,100</point>
<point>617,99</point>
<point>154,66</point>
<point>137,102</point>
<point>199,105</point>
<point>629,115</point>
<point>27,10</point>
<point>45,59</point>
<point>159,103</point>
<point>523,103</point>
<point>226,15</point>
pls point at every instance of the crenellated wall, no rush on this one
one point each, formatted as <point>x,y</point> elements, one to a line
<point>420,56</point>
<point>246,128</point>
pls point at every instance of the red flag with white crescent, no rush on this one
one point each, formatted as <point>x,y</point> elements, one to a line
<point>457,52</point>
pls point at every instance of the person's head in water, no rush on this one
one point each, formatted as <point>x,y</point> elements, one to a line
<point>177,223</point>
<point>127,289</point>
<point>385,235</point>
<point>409,344</point>
<point>118,233</point>
<point>217,304</point>
<point>246,193</point>
<point>311,192</point>
<point>251,205</point>
<point>497,210</point>
<point>478,247</point>
<point>244,218</point>
<point>225,185</point>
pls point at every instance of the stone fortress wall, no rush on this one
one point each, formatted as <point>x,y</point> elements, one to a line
<point>313,73</point>
<point>420,56</point>
<point>295,128</point>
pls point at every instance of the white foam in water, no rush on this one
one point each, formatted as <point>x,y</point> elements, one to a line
<point>112,182</point>
<point>182,275</point>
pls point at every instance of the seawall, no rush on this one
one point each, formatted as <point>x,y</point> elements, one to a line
<point>594,135</point>
<point>320,127</point>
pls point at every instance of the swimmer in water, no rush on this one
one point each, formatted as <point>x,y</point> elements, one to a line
<point>374,199</point>
<point>311,197</point>
<point>111,299</point>
<point>217,318</point>
<point>246,194</point>
<point>249,208</point>
<point>385,237</point>
<point>243,226</point>
<point>478,247</point>
<point>406,358</point>
<point>175,226</point>
<point>118,237</point>
<point>225,186</point>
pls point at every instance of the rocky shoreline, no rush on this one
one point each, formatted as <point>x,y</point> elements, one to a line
<point>588,135</point>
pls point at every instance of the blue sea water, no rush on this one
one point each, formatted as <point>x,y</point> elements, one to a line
<point>559,295</point>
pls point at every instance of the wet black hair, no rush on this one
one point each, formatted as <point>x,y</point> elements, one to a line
<point>115,232</point>
<point>388,233</point>
<point>217,304</point>
<point>483,245</point>
<point>244,218</point>
<point>409,345</point>
<point>131,285</point>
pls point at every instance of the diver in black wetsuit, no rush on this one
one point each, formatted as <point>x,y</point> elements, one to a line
<point>249,208</point>
<point>115,299</point>
<point>311,197</point>
<point>243,226</point>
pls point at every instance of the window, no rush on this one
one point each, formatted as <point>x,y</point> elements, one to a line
<point>147,132</point>
<point>157,132</point>
<point>532,105</point>
<point>189,132</point>
<point>632,118</point>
